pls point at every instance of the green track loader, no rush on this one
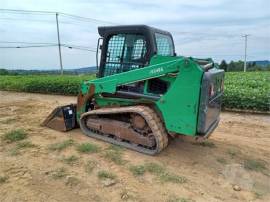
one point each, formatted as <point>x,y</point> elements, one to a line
<point>144,92</point>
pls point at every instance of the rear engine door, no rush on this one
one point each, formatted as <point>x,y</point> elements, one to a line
<point>210,101</point>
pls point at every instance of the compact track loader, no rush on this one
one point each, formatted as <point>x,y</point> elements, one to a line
<point>144,92</point>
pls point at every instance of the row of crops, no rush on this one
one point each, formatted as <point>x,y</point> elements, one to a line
<point>248,91</point>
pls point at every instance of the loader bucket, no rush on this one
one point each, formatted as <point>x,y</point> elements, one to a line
<point>62,118</point>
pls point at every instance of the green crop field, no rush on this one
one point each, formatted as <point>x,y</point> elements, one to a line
<point>248,91</point>
<point>49,84</point>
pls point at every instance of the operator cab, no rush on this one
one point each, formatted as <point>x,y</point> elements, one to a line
<point>125,48</point>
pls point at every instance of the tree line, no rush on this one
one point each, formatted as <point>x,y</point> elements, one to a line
<point>233,66</point>
<point>237,66</point>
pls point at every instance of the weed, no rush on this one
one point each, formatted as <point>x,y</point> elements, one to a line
<point>162,174</point>
<point>115,153</point>
<point>72,181</point>
<point>25,144</point>
<point>90,165</point>
<point>3,179</point>
<point>106,175</point>
<point>8,121</point>
<point>115,148</point>
<point>258,194</point>
<point>232,152</point>
<point>61,145</point>
<point>154,168</point>
<point>14,151</point>
<point>88,148</point>
<point>221,160</point>
<point>115,156</point>
<point>254,165</point>
<point>15,135</point>
<point>20,145</point>
<point>175,199</point>
<point>137,170</point>
<point>169,177</point>
<point>59,173</point>
<point>70,160</point>
<point>205,144</point>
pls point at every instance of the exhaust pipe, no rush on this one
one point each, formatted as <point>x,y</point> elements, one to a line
<point>62,118</point>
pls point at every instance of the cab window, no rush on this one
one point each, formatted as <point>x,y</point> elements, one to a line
<point>125,52</point>
<point>164,45</point>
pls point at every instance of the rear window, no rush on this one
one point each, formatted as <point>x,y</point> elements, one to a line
<point>164,45</point>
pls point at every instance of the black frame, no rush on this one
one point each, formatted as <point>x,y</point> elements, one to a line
<point>147,31</point>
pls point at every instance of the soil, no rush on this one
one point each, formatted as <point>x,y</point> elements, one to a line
<point>233,165</point>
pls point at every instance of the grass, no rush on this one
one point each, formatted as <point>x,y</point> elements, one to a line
<point>181,199</point>
<point>59,173</point>
<point>115,154</point>
<point>103,174</point>
<point>61,145</point>
<point>21,145</point>
<point>221,160</point>
<point>232,152</point>
<point>170,177</point>
<point>205,144</point>
<point>258,195</point>
<point>90,165</point>
<point>8,121</point>
<point>137,170</point>
<point>15,135</point>
<point>254,165</point>
<point>88,148</point>
<point>158,170</point>
<point>154,168</point>
<point>14,152</point>
<point>25,144</point>
<point>3,179</point>
<point>72,181</point>
<point>115,148</point>
<point>71,160</point>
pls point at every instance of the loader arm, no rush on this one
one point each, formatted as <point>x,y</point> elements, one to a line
<point>154,70</point>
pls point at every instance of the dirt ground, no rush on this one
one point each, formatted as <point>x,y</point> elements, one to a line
<point>233,165</point>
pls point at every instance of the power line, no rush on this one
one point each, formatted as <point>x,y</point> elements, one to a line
<point>24,42</point>
<point>75,17</point>
<point>27,11</point>
<point>44,43</point>
<point>37,46</point>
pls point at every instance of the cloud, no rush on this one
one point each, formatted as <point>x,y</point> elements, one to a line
<point>210,28</point>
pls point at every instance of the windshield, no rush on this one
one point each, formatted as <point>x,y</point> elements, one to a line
<point>125,52</point>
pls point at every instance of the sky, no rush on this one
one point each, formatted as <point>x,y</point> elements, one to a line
<point>201,28</point>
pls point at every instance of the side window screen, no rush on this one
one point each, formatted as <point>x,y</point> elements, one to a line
<point>115,48</point>
<point>125,52</point>
<point>164,45</point>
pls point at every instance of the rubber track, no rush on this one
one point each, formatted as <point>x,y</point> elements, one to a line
<point>149,115</point>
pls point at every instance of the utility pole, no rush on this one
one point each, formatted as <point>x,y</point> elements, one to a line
<point>245,62</point>
<point>59,43</point>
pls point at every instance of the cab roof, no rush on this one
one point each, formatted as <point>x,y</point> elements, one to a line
<point>108,30</point>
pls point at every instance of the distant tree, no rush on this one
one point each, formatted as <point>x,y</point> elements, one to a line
<point>3,72</point>
<point>223,65</point>
<point>231,66</point>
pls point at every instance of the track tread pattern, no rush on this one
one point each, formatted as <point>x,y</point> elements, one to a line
<point>152,119</point>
